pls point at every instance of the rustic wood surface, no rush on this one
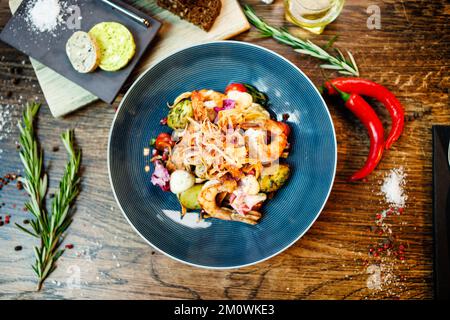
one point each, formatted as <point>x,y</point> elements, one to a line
<point>409,55</point>
<point>63,96</point>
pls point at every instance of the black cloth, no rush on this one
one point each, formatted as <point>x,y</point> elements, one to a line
<point>441,211</point>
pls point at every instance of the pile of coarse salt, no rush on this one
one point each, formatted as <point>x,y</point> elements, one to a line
<point>45,15</point>
<point>393,188</point>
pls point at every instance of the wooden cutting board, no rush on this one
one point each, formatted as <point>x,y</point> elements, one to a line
<point>64,96</point>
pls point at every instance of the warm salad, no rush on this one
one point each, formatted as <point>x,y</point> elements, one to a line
<point>223,154</point>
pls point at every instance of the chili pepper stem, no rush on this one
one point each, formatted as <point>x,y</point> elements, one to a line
<point>344,95</point>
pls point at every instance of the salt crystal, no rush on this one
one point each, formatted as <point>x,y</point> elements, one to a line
<point>392,188</point>
<point>7,124</point>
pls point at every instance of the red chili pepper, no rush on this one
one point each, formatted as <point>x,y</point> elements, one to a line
<point>368,117</point>
<point>372,89</point>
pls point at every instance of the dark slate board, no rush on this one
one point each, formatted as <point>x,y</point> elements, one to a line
<point>441,211</point>
<point>49,49</point>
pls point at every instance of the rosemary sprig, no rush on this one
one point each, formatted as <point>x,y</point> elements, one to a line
<point>338,62</point>
<point>49,228</point>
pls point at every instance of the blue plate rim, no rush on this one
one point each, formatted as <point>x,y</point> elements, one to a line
<point>199,45</point>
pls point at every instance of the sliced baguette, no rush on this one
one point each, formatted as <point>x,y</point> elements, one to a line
<point>83,52</point>
<point>116,43</point>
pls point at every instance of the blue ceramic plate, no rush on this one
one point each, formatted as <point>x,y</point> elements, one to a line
<point>214,243</point>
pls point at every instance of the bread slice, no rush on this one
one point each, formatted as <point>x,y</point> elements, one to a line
<point>202,13</point>
<point>83,52</point>
<point>116,42</point>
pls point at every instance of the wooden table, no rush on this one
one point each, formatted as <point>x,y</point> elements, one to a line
<point>409,55</point>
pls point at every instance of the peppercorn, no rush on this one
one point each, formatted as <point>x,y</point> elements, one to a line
<point>17,248</point>
<point>69,246</point>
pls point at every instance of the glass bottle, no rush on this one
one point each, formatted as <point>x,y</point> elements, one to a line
<point>313,15</point>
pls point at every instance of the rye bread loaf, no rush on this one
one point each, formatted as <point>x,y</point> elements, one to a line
<point>202,13</point>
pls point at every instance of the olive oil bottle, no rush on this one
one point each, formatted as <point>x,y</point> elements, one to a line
<point>313,15</point>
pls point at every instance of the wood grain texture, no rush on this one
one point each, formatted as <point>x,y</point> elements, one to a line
<point>409,55</point>
<point>64,96</point>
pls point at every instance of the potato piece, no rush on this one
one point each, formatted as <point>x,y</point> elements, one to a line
<point>189,198</point>
<point>273,182</point>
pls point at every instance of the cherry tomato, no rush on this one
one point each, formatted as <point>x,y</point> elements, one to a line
<point>163,141</point>
<point>235,87</point>
<point>286,128</point>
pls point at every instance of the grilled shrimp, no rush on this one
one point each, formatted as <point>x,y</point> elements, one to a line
<point>257,140</point>
<point>204,102</point>
<point>207,200</point>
